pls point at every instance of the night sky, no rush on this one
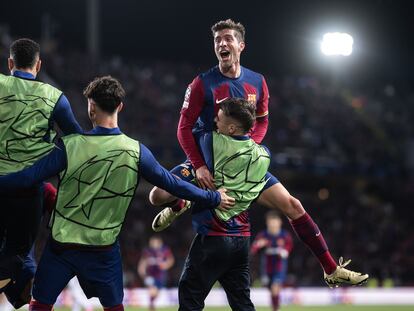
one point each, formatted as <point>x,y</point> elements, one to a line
<point>283,37</point>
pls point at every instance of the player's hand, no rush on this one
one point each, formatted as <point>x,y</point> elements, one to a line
<point>282,252</point>
<point>226,201</point>
<point>204,178</point>
<point>261,243</point>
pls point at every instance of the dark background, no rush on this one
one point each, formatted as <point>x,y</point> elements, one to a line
<point>338,126</point>
<point>283,37</point>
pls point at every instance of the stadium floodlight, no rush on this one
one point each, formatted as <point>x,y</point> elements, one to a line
<point>337,43</point>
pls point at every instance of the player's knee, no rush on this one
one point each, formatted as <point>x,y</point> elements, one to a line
<point>295,209</point>
<point>155,196</point>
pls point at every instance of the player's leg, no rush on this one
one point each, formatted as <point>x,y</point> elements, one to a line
<point>52,275</point>
<point>204,264</point>
<point>174,207</point>
<point>153,294</point>
<point>18,226</point>
<point>275,195</point>
<point>236,280</point>
<point>275,295</point>
<point>100,275</point>
<point>19,292</point>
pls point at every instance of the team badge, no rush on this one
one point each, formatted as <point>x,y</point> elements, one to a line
<point>187,98</point>
<point>251,98</point>
<point>185,172</point>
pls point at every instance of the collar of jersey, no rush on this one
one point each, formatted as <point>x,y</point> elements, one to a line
<point>23,74</point>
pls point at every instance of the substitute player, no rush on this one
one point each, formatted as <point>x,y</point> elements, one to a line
<point>274,245</point>
<point>29,109</point>
<point>155,261</point>
<point>98,174</point>
<point>230,79</point>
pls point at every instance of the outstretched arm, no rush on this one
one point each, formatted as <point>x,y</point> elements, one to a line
<point>48,166</point>
<point>157,175</point>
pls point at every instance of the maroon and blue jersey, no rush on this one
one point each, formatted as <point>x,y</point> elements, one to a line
<point>274,255</point>
<point>154,259</point>
<point>201,101</point>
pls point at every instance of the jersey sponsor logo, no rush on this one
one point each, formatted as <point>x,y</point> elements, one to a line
<point>187,98</point>
<point>218,101</point>
<point>251,98</point>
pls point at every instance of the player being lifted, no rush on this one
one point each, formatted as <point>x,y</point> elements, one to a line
<point>230,79</point>
<point>274,245</point>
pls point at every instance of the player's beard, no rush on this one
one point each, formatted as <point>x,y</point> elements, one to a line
<point>227,66</point>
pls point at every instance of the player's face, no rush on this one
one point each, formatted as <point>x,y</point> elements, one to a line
<point>274,225</point>
<point>227,47</point>
<point>155,243</point>
<point>225,124</point>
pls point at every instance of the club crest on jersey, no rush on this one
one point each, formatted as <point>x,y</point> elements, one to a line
<point>251,98</point>
<point>185,172</point>
<point>187,98</point>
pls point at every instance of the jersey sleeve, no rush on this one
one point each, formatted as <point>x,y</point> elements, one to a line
<point>50,165</point>
<point>192,106</point>
<point>262,108</point>
<point>157,175</point>
<point>64,117</point>
<point>255,248</point>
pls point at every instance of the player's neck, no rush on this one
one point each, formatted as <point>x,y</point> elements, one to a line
<point>232,71</point>
<point>107,121</point>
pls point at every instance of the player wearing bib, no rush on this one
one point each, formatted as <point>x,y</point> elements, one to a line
<point>230,79</point>
<point>28,111</point>
<point>99,172</point>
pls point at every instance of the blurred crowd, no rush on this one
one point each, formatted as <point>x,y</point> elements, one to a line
<point>345,149</point>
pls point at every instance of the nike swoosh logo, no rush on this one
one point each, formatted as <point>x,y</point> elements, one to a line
<point>221,100</point>
<point>318,234</point>
<point>347,279</point>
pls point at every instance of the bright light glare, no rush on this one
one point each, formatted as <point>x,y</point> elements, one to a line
<point>337,43</point>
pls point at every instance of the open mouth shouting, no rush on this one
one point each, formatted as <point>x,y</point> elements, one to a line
<point>224,55</point>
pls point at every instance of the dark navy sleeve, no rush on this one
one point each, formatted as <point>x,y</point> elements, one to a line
<point>205,143</point>
<point>48,166</point>
<point>63,116</point>
<point>153,172</point>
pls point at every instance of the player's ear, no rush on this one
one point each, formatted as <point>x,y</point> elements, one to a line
<point>242,45</point>
<point>10,63</point>
<point>120,106</point>
<point>38,65</point>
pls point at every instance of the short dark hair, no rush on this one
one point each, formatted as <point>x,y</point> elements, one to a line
<point>240,110</point>
<point>24,53</point>
<point>272,214</point>
<point>230,24</point>
<point>106,92</point>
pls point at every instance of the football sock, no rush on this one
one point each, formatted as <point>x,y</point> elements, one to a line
<point>119,307</point>
<point>275,302</point>
<point>38,306</point>
<point>309,233</point>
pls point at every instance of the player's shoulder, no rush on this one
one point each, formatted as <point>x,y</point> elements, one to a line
<point>212,72</point>
<point>249,74</point>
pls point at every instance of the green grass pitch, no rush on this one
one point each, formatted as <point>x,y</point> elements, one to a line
<point>291,308</point>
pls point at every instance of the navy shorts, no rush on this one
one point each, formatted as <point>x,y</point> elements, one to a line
<point>216,258</point>
<point>99,273</point>
<point>186,172</point>
<point>21,279</point>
